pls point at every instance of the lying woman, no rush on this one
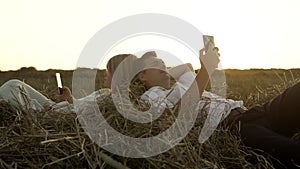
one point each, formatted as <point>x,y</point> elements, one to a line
<point>23,96</point>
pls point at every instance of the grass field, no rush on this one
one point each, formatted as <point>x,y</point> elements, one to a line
<point>247,85</point>
<point>54,140</point>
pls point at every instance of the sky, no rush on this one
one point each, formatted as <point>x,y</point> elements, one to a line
<point>52,34</point>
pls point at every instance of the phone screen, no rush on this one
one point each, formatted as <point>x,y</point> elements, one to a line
<point>208,40</point>
<point>59,83</point>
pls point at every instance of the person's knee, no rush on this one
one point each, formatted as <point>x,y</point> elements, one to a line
<point>297,86</point>
<point>13,83</point>
<point>295,89</point>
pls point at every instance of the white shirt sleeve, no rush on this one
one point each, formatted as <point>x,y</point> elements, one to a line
<point>160,98</point>
<point>186,80</point>
<point>156,97</point>
<point>181,86</point>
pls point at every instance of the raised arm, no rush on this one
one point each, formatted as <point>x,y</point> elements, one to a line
<point>209,62</point>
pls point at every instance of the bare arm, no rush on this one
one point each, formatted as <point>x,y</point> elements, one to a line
<point>209,63</point>
<point>179,70</point>
<point>202,79</point>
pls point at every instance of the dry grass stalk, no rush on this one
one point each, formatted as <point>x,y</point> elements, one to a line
<point>31,139</point>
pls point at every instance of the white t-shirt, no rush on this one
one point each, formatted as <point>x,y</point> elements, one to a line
<point>216,107</point>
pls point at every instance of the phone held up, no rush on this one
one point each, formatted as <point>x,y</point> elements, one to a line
<point>208,41</point>
<point>59,82</point>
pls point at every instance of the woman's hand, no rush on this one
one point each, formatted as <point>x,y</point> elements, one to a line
<point>66,94</point>
<point>210,60</point>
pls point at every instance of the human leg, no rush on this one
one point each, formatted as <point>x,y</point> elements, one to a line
<point>283,111</point>
<point>21,94</point>
<point>282,148</point>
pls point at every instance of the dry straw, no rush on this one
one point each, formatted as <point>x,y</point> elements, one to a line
<point>31,139</point>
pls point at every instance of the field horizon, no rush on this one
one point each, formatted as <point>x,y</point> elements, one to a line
<point>60,69</point>
<point>41,139</point>
<point>243,85</point>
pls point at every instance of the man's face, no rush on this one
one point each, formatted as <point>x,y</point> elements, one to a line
<point>155,73</point>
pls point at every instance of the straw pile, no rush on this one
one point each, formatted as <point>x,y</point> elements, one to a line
<point>31,139</point>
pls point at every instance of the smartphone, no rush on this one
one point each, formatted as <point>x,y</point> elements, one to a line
<point>59,83</point>
<point>208,40</point>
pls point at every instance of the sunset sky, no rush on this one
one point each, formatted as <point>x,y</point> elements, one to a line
<point>52,34</point>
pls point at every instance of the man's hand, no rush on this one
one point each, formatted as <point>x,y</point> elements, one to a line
<point>210,60</point>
